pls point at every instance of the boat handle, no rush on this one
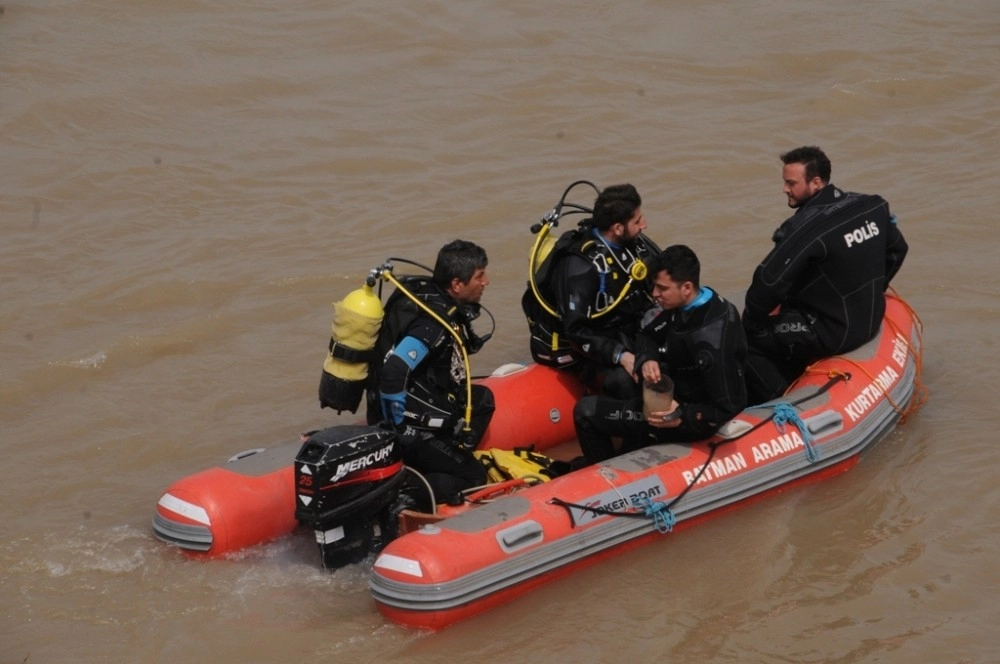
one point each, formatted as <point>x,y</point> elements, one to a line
<point>821,424</point>
<point>245,453</point>
<point>519,536</point>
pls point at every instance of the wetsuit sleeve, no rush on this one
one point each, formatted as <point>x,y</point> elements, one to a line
<point>648,342</point>
<point>895,250</point>
<point>404,361</point>
<point>401,361</point>
<point>576,287</point>
<point>776,275</point>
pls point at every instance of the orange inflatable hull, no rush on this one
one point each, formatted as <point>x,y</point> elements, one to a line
<point>251,498</point>
<point>468,563</point>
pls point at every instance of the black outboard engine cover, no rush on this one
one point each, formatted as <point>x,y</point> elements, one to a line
<point>346,480</point>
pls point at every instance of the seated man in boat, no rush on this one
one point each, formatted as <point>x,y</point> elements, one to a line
<point>589,279</point>
<point>821,289</point>
<point>421,384</point>
<point>695,335</point>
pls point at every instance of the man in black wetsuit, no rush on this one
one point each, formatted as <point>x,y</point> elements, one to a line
<point>696,336</point>
<point>596,282</point>
<point>828,271</point>
<point>421,385</point>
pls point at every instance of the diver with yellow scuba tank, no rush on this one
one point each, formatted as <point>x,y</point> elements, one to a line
<point>425,414</point>
<point>588,290</point>
<point>418,377</point>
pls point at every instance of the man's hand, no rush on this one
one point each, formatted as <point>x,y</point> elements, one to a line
<point>393,407</point>
<point>666,419</point>
<point>627,362</point>
<point>651,371</point>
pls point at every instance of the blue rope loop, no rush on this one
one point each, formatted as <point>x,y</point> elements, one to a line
<point>663,519</point>
<point>785,413</point>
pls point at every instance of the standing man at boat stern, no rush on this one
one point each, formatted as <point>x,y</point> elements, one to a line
<point>421,385</point>
<point>692,339</point>
<point>821,289</point>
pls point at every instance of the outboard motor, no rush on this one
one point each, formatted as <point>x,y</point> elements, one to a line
<point>347,479</point>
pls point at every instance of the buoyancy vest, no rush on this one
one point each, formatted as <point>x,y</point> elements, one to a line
<point>612,310</point>
<point>400,313</point>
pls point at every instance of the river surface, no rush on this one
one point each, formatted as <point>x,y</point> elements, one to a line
<point>186,186</point>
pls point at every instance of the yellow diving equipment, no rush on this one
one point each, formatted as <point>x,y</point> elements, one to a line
<point>502,465</point>
<point>545,244</point>
<point>356,323</point>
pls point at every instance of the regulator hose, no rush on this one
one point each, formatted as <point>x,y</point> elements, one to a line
<point>385,272</point>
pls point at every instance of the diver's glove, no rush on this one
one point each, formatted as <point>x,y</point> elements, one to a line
<point>393,407</point>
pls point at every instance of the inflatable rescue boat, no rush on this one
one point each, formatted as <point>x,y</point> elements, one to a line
<point>482,557</point>
<point>251,498</point>
<point>345,483</point>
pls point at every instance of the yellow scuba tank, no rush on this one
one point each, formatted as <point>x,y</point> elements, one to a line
<point>542,251</point>
<point>356,323</point>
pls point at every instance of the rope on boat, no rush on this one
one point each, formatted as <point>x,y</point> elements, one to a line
<point>782,414</point>
<point>427,485</point>
<point>833,378</point>
<point>785,413</point>
<point>914,349</point>
<point>663,519</point>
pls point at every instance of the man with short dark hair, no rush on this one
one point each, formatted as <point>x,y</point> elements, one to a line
<point>421,384</point>
<point>828,271</point>
<point>696,336</point>
<point>596,281</point>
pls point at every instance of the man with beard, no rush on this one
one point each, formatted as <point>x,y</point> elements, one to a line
<point>821,289</point>
<point>597,282</point>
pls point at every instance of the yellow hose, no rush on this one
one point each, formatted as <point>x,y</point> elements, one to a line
<point>542,234</point>
<point>637,271</point>
<point>388,276</point>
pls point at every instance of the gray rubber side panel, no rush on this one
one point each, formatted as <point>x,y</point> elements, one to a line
<point>488,515</point>
<point>266,461</point>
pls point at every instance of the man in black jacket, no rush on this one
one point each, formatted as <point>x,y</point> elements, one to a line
<point>696,336</point>
<point>828,271</point>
